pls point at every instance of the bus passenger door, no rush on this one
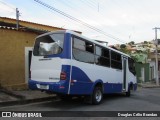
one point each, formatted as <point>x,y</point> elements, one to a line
<point>124,73</point>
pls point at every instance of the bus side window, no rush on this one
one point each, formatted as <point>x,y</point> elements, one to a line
<point>79,44</point>
<point>89,47</point>
<point>83,51</point>
<point>102,56</point>
<point>131,66</point>
<point>116,61</point>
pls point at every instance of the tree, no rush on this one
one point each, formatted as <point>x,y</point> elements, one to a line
<point>145,42</point>
<point>134,57</point>
<point>123,46</point>
<point>124,49</point>
<point>131,43</point>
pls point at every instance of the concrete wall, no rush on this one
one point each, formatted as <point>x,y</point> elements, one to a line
<point>12,57</point>
<point>140,77</point>
<point>153,65</point>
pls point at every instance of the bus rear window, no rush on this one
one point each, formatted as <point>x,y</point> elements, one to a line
<point>49,45</point>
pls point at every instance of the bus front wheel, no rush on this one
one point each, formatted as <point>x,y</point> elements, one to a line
<point>97,95</point>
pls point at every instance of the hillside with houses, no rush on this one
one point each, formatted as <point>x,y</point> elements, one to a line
<point>144,55</point>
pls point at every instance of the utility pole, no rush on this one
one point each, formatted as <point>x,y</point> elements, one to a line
<point>17,18</point>
<point>156,55</point>
<point>98,6</point>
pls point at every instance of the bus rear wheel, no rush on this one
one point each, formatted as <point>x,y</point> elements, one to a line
<point>97,95</point>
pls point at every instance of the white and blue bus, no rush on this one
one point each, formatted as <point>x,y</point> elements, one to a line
<point>69,64</point>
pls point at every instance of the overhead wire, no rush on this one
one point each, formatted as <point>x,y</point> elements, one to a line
<point>89,4</point>
<point>7,11</point>
<point>70,7</point>
<point>120,5</point>
<point>59,17</point>
<point>133,7</point>
<point>98,13</point>
<point>76,8</point>
<point>79,21</point>
<point>7,5</point>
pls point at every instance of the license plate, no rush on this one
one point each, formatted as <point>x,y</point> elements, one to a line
<point>46,87</point>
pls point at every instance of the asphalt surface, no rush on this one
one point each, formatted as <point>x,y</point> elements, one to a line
<point>144,99</point>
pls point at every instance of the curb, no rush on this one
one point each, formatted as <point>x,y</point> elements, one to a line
<point>150,86</point>
<point>12,94</point>
<point>27,101</point>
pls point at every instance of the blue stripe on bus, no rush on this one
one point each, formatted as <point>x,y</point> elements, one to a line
<point>78,88</point>
<point>83,83</point>
<point>67,46</point>
<point>82,86</point>
<point>112,87</point>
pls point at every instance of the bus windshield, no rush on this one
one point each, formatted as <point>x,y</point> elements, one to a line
<point>49,45</point>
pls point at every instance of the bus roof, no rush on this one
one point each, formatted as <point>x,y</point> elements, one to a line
<point>79,35</point>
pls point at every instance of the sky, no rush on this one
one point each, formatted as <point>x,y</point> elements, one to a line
<point>119,21</point>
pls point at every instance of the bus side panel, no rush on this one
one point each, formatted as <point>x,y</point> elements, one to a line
<point>84,85</point>
<point>81,84</point>
<point>112,88</point>
<point>86,76</point>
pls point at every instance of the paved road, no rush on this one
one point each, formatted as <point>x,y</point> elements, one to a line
<point>146,99</point>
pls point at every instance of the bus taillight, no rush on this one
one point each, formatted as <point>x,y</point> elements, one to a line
<point>63,76</point>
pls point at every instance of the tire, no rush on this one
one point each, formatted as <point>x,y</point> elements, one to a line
<point>128,93</point>
<point>97,95</point>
